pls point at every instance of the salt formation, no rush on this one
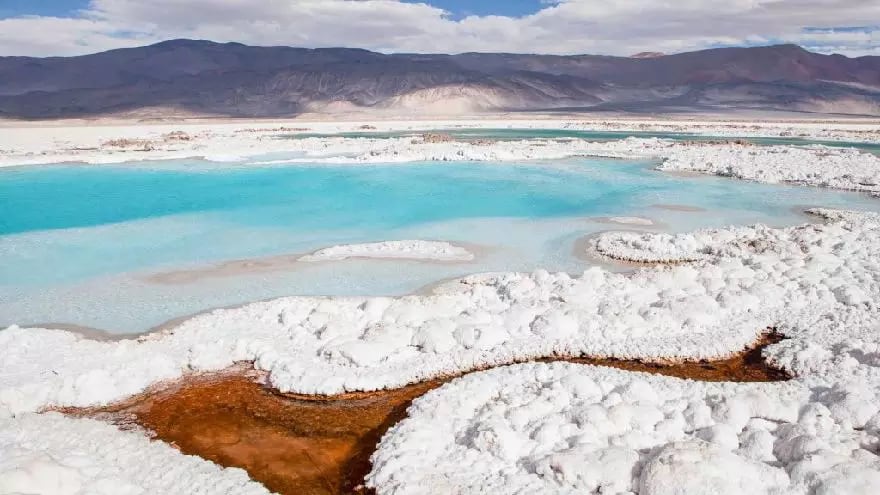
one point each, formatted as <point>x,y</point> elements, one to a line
<point>414,250</point>
<point>564,428</point>
<point>54,454</point>
<point>840,168</point>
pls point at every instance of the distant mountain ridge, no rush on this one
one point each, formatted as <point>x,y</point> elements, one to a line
<point>230,79</point>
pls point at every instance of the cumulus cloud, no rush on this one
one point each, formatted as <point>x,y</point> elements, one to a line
<point>621,27</point>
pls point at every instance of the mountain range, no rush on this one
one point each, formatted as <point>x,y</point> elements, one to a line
<point>190,77</point>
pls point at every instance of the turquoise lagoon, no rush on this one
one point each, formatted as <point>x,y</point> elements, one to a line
<point>79,243</point>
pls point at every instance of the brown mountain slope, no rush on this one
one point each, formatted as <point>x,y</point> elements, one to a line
<point>231,79</point>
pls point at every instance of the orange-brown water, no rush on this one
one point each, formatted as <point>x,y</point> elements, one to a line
<point>307,445</point>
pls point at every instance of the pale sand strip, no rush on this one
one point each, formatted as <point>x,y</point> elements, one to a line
<point>290,262</point>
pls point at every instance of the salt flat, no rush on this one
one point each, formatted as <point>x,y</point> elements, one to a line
<point>538,428</point>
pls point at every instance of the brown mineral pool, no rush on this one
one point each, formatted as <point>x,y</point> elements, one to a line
<point>322,445</point>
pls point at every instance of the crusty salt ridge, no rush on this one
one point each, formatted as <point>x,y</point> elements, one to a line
<point>407,249</point>
<point>564,428</point>
<point>813,166</point>
<point>55,454</point>
<point>642,247</point>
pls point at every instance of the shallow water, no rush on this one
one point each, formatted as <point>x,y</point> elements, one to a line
<point>79,243</point>
<point>515,134</point>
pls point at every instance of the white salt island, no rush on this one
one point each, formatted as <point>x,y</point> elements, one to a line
<point>407,249</point>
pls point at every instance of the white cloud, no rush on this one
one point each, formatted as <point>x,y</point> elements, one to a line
<point>621,27</point>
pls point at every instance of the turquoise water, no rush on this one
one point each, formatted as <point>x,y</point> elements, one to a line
<point>513,134</point>
<point>327,197</point>
<point>78,241</point>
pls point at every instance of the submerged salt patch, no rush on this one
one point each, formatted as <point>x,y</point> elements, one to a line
<point>631,220</point>
<point>408,249</point>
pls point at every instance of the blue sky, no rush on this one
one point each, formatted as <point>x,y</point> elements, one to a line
<point>458,8</point>
<point>624,27</point>
<point>510,8</point>
<point>12,8</point>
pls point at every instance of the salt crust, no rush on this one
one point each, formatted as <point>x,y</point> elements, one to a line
<point>51,454</point>
<point>817,283</point>
<point>840,168</point>
<point>563,428</point>
<point>89,143</point>
<point>408,249</point>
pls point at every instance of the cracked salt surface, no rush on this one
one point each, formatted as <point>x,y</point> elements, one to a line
<point>818,284</point>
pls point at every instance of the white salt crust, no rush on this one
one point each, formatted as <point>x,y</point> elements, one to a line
<point>815,165</point>
<point>840,168</point>
<point>22,144</point>
<point>563,428</point>
<point>408,249</point>
<point>817,283</point>
<point>52,454</point>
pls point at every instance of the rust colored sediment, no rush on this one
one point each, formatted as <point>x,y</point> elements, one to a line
<point>309,445</point>
<point>746,366</point>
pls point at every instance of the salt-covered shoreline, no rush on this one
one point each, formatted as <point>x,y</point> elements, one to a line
<point>793,279</point>
<point>83,142</point>
<point>841,168</point>
<point>406,249</point>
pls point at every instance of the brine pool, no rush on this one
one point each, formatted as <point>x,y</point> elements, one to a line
<point>89,245</point>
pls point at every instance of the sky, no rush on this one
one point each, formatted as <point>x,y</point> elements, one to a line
<point>612,27</point>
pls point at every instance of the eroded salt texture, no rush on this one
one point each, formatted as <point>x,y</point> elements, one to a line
<point>819,284</point>
<point>815,166</point>
<point>562,428</point>
<point>408,249</point>
<point>53,454</point>
<point>565,428</point>
<point>674,248</point>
